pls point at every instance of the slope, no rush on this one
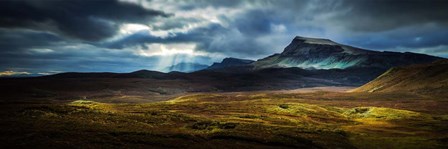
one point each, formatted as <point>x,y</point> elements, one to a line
<point>424,79</point>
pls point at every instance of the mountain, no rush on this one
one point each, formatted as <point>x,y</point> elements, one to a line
<point>423,78</point>
<point>185,67</point>
<point>230,62</point>
<point>315,53</point>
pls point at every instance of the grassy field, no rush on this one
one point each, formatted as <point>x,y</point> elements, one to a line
<point>227,120</point>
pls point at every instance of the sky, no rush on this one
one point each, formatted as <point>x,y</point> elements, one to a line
<point>52,36</point>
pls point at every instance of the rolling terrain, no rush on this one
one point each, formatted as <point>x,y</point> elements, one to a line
<point>431,79</point>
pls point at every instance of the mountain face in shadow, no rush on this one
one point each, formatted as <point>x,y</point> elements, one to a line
<point>185,67</point>
<point>423,78</point>
<point>315,53</point>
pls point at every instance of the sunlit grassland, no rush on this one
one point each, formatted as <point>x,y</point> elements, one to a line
<point>224,120</point>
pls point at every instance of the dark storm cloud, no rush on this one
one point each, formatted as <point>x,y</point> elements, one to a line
<point>83,19</point>
<point>238,39</point>
<point>409,37</point>
<point>20,40</point>
<point>245,36</point>
<point>256,22</point>
<point>74,57</point>
<point>380,15</point>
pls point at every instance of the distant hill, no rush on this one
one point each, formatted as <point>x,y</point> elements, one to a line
<point>185,67</point>
<point>82,75</point>
<point>143,74</point>
<point>230,62</point>
<point>315,53</point>
<point>424,78</point>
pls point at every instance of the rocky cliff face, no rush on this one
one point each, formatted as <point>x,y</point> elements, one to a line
<point>314,53</point>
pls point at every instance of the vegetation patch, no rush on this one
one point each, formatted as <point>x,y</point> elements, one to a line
<point>212,125</point>
<point>284,106</point>
<point>190,98</point>
<point>383,113</point>
<point>93,106</point>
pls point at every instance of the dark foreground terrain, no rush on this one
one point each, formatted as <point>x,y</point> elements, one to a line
<point>308,118</point>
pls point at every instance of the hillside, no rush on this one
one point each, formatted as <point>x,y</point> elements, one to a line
<point>424,78</point>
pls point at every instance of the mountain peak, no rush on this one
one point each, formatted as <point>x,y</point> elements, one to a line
<point>230,60</point>
<point>301,46</point>
<point>310,40</point>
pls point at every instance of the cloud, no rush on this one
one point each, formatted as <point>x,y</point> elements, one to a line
<point>43,56</point>
<point>13,73</point>
<point>410,37</point>
<point>80,19</point>
<point>20,40</point>
<point>382,15</point>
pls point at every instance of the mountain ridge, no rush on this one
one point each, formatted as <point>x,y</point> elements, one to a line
<point>317,53</point>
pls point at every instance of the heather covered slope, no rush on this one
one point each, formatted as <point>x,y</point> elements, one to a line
<point>425,79</point>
